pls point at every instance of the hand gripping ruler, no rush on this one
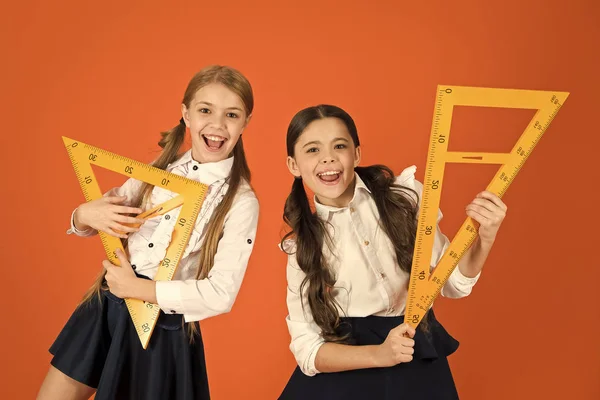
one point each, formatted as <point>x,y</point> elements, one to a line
<point>425,285</point>
<point>190,197</point>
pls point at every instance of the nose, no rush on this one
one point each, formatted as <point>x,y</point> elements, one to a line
<point>218,120</point>
<point>327,157</point>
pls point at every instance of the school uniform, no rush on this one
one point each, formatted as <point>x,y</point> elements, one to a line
<point>99,345</point>
<point>371,292</point>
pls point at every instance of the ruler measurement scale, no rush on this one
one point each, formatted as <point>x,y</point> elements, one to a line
<point>424,286</point>
<point>190,198</point>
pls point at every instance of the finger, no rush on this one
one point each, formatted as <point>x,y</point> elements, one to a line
<point>403,358</point>
<point>128,220</point>
<point>123,228</point>
<point>486,194</point>
<point>481,211</point>
<point>107,265</point>
<point>477,217</point>
<point>407,342</point>
<point>406,358</point>
<point>408,350</point>
<point>115,199</point>
<point>127,210</point>
<point>111,232</point>
<point>123,259</point>
<point>404,329</point>
<point>488,205</point>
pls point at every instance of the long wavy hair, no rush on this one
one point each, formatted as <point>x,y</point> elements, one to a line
<point>397,213</point>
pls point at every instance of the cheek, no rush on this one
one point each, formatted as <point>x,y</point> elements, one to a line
<point>348,160</point>
<point>235,127</point>
<point>199,122</point>
<point>307,167</point>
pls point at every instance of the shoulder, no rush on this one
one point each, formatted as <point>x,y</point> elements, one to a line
<point>245,199</point>
<point>407,180</point>
<point>293,271</point>
<point>179,160</point>
<point>288,246</point>
<point>245,193</point>
<point>406,176</point>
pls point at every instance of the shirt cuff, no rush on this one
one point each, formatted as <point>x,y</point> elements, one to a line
<point>461,280</point>
<point>168,297</point>
<point>309,368</point>
<point>73,229</point>
<point>459,284</point>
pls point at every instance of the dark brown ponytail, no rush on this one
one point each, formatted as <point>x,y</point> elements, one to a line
<point>310,234</point>
<point>397,209</point>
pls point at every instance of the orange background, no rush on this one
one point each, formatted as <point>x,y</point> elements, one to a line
<point>112,75</point>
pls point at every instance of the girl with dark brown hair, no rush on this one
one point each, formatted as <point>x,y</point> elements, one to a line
<point>349,266</point>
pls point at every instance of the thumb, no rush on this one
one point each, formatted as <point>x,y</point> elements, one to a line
<point>123,259</point>
<point>405,330</point>
<point>107,265</point>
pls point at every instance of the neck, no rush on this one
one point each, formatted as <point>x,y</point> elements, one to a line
<point>341,201</point>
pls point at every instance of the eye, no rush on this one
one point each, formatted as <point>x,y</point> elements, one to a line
<point>204,110</point>
<point>232,115</point>
<point>340,146</point>
<point>312,150</point>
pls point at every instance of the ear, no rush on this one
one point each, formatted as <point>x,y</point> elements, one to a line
<point>185,113</point>
<point>293,167</point>
<point>248,118</point>
<point>246,122</point>
<point>357,154</point>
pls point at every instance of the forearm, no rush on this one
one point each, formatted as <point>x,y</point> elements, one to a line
<point>474,259</point>
<point>79,225</point>
<point>143,289</point>
<point>334,357</point>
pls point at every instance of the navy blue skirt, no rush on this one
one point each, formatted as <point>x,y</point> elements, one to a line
<point>100,348</point>
<point>426,377</point>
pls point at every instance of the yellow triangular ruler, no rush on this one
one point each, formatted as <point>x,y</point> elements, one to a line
<point>424,286</point>
<point>191,197</point>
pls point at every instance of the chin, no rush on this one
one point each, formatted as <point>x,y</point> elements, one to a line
<point>330,193</point>
<point>213,156</point>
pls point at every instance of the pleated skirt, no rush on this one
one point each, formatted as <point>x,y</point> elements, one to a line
<point>426,377</point>
<point>100,348</point>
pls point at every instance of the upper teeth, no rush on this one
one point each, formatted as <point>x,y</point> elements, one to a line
<point>215,138</point>
<point>330,173</point>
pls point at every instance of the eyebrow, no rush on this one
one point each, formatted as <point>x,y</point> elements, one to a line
<point>319,142</point>
<point>212,105</point>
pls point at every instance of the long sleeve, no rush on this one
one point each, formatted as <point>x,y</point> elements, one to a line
<point>457,285</point>
<point>305,334</point>
<point>214,295</point>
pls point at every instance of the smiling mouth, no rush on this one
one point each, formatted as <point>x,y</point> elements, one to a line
<point>214,142</point>
<point>330,177</point>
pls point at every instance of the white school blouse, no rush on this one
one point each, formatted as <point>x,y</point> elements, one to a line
<point>195,299</point>
<point>368,278</point>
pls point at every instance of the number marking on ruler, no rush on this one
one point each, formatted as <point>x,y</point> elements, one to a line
<point>424,285</point>
<point>190,198</point>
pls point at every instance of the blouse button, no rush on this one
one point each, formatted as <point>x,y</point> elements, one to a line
<point>150,244</point>
<point>173,312</point>
<point>167,217</point>
<point>366,242</point>
<point>133,266</point>
<point>249,241</point>
<point>195,167</point>
<point>352,209</point>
